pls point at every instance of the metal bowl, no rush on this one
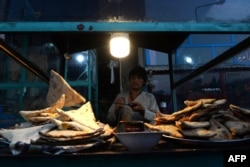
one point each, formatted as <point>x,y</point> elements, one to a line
<point>139,141</point>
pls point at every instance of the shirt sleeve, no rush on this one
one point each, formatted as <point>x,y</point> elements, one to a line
<point>151,108</point>
<point>112,116</point>
<point>149,115</point>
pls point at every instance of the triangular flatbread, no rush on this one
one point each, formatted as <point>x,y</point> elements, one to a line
<point>58,86</point>
<point>83,115</point>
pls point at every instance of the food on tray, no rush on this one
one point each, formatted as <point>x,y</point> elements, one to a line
<point>76,127</point>
<point>59,124</point>
<point>222,133</point>
<point>203,113</point>
<point>202,101</point>
<point>198,133</point>
<point>170,130</point>
<point>188,124</point>
<point>204,119</point>
<point>58,86</point>
<point>242,113</point>
<point>78,124</point>
<point>71,128</point>
<point>238,127</point>
<point>190,107</point>
<point>69,134</point>
<point>44,115</point>
<point>240,109</point>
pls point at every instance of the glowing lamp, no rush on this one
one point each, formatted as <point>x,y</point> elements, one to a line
<point>119,45</point>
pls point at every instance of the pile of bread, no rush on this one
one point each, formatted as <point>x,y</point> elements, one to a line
<point>205,119</point>
<point>69,123</point>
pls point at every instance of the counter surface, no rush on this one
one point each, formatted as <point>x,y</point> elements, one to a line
<point>163,153</point>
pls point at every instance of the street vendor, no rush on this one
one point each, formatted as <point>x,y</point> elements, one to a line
<point>135,104</point>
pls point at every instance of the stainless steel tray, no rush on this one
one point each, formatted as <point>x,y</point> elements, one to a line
<point>207,143</point>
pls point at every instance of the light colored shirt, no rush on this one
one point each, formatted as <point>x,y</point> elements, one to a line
<point>147,100</point>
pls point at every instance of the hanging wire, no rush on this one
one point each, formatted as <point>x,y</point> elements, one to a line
<point>120,71</point>
<point>67,56</point>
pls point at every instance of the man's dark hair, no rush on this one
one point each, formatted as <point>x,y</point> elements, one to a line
<point>139,72</point>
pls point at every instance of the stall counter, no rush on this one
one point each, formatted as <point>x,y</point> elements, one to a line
<point>164,157</point>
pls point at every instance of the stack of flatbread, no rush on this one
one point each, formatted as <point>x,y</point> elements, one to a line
<point>72,125</point>
<point>68,127</point>
<point>44,115</point>
<point>195,121</point>
<point>205,119</point>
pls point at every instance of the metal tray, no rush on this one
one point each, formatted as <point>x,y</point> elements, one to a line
<point>207,143</point>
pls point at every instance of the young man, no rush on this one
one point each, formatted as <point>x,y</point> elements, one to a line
<point>136,104</point>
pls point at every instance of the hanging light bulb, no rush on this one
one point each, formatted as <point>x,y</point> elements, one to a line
<point>119,45</point>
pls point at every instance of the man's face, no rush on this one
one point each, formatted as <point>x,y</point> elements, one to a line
<point>136,82</point>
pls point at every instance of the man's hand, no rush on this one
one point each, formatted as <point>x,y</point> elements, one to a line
<point>137,107</point>
<point>119,103</point>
